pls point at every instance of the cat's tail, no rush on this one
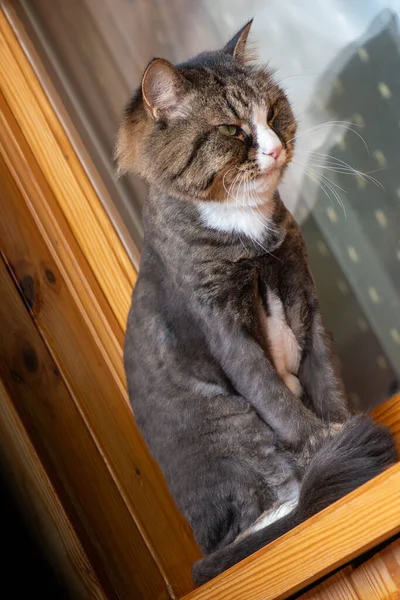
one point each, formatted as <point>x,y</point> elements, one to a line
<point>360,451</point>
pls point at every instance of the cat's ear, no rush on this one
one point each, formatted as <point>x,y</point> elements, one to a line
<point>163,89</point>
<point>236,47</point>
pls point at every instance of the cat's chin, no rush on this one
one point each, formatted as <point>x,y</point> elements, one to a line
<point>267,182</point>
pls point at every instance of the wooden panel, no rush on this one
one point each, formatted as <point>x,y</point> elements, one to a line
<point>61,243</point>
<point>42,508</point>
<point>318,546</point>
<point>65,176</point>
<point>71,457</point>
<point>379,578</point>
<point>337,587</point>
<point>100,403</point>
<point>388,414</point>
<point>83,108</point>
<point>76,52</point>
<point>96,160</point>
<point>376,579</point>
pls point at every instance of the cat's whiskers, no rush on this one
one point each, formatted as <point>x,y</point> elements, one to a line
<point>241,176</point>
<point>341,124</point>
<point>254,205</point>
<point>318,181</point>
<point>324,185</point>
<point>254,240</point>
<point>238,186</point>
<point>243,180</point>
<point>229,195</point>
<point>230,187</point>
<point>341,166</point>
<point>331,185</point>
<point>331,163</point>
<point>236,200</point>
<point>314,169</point>
<point>236,182</point>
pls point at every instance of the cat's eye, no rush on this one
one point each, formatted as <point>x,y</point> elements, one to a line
<point>234,131</point>
<point>230,130</point>
<point>271,115</point>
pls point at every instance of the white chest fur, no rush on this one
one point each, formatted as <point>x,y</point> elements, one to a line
<point>251,221</point>
<point>283,346</point>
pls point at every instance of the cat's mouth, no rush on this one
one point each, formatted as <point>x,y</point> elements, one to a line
<point>269,173</point>
<point>255,180</point>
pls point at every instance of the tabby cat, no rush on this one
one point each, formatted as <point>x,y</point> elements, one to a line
<point>230,371</point>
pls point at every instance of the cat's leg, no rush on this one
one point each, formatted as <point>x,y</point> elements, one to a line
<point>318,375</point>
<point>254,377</point>
<point>276,512</point>
<point>288,499</point>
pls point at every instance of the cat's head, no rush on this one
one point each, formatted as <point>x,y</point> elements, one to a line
<point>208,127</point>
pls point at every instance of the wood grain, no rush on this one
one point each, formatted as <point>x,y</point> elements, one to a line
<point>376,579</point>
<point>388,414</point>
<point>46,45</point>
<point>65,176</point>
<point>318,546</point>
<point>379,578</point>
<point>61,243</point>
<point>337,587</point>
<point>100,404</point>
<point>71,457</point>
<point>42,508</point>
<point>94,158</point>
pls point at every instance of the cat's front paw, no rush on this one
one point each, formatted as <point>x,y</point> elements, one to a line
<point>318,438</point>
<point>334,429</point>
<point>325,433</point>
<point>293,383</point>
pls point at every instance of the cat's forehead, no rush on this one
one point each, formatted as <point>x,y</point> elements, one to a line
<point>236,105</point>
<point>225,88</point>
<point>219,71</point>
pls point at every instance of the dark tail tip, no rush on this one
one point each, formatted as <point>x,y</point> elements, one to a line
<point>358,453</point>
<point>212,565</point>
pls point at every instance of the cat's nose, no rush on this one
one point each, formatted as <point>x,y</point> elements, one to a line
<point>274,152</point>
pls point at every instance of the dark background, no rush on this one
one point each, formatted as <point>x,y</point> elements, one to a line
<point>25,572</point>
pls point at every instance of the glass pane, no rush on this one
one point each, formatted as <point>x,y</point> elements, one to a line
<point>340,64</point>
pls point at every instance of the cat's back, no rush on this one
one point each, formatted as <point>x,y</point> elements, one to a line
<point>164,347</point>
<point>148,311</point>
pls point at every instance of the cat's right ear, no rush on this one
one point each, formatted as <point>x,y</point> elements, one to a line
<point>237,46</point>
<point>163,89</point>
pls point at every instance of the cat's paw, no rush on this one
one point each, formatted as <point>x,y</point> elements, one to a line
<point>323,433</point>
<point>334,429</point>
<point>293,383</point>
<point>328,432</point>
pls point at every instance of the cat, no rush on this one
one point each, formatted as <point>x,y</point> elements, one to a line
<point>231,374</point>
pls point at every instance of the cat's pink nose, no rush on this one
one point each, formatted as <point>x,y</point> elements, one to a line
<point>275,152</point>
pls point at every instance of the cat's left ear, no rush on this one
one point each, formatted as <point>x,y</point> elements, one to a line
<point>236,47</point>
<point>164,89</point>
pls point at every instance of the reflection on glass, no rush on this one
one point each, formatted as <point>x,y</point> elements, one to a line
<point>340,64</point>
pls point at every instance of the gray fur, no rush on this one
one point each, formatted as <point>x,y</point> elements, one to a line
<point>230,437</point>
<point>224,428</point>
